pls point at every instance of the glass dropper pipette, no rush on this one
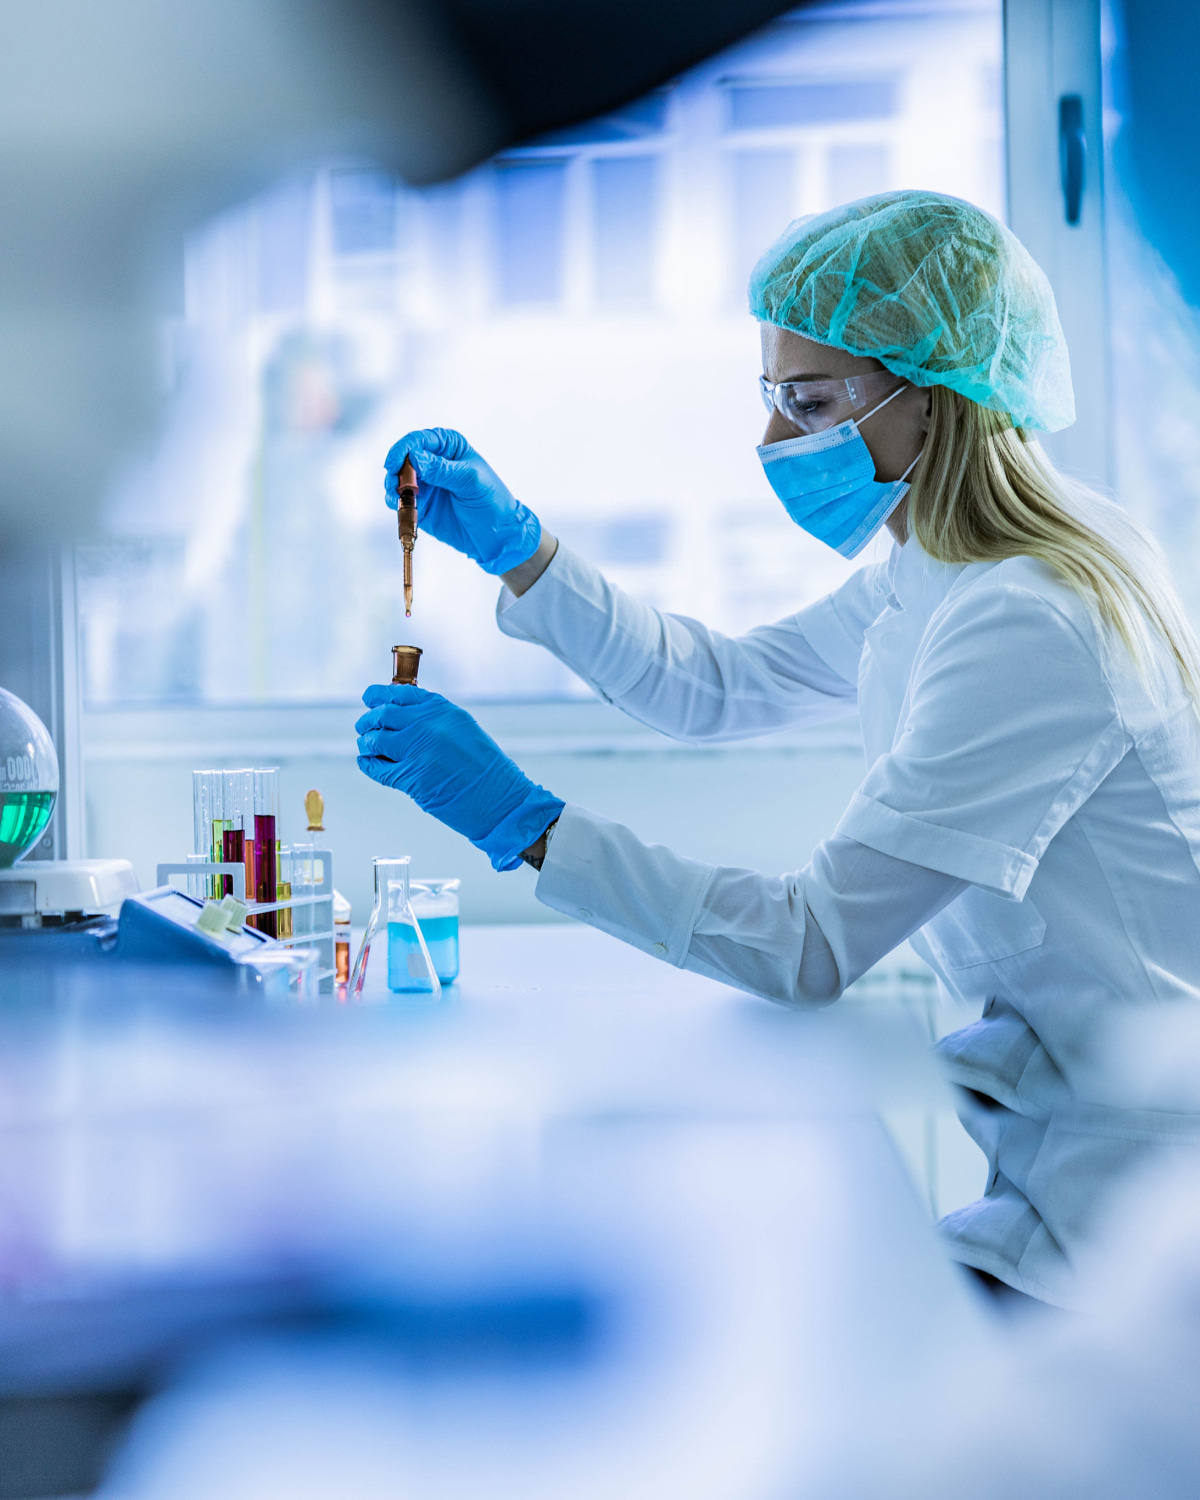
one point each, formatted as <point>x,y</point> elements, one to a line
<point>406,522</point>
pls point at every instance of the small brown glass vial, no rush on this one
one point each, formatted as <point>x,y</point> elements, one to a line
<point>406,662</point>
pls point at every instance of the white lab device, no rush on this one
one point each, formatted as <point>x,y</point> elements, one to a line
<point>51,891</point>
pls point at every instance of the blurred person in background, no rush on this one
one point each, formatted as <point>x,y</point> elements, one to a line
<point>1026,679</point>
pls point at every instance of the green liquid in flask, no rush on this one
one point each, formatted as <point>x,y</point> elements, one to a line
<point>23,815</point>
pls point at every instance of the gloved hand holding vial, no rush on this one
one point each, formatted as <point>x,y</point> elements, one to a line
<point>419,743</point>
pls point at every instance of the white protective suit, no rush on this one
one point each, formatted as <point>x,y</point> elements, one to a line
<point>1030,819</point>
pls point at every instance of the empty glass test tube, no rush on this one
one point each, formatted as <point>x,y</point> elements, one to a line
<point>206,823</point>
<point>197,885</point>
<point>303,883</point>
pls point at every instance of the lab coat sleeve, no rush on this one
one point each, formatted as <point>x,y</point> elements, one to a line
<point>1011,725</point>
<point>676,676</point>
<point>798,938</point>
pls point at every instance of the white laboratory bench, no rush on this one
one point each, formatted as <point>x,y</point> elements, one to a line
<point>553,963</point>
<point>568,969</point>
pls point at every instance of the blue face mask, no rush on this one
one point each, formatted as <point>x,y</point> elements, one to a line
<point>827,483</point>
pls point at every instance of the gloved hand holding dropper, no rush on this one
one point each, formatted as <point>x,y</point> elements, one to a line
<point>464,502</point>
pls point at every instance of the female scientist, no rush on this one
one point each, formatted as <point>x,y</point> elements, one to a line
<point>1026,680</point>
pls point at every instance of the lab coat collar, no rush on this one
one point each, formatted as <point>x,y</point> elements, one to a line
<point>918,582</point>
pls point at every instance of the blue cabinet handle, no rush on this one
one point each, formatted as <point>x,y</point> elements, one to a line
<point>1072,154</point>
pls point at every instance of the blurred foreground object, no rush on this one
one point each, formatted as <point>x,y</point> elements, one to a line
<point>566,1236</point>
<point>121,128</point>
<point>1100,1402</point>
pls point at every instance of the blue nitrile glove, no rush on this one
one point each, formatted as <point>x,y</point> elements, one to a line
<point>462,500</point>
<point>422,744</point>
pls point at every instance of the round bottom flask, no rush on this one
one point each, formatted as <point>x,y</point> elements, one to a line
<point>28,778</point>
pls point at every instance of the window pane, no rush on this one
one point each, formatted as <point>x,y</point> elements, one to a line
<point>363,210</point>
<point>759,106</point>
<point>530,200</point>
<point>613,540</point>
<point>764,202</point>
<point>442,213</point>
<point>283,222</point>
<point>624,198</point>
<point>857,171</point>
<point>254,557</point>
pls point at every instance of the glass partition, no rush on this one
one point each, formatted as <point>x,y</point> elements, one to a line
<point>576,308</point>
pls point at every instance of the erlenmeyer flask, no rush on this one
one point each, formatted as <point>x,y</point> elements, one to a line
<point>410,969</point>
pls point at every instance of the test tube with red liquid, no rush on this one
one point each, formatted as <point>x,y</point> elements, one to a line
<point>266,846</point>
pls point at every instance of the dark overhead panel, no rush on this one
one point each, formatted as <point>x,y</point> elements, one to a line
<point>546,64</point>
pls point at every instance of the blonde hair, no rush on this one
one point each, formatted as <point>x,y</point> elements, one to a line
<point>983,492</point>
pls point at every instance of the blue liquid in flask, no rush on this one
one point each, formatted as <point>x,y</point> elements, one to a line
<point>441,938</point>
<point>407,972</point>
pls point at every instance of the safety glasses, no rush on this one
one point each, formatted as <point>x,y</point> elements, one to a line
<point>814,405</point>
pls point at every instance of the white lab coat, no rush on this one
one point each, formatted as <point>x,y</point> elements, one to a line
<point>1030,818</point>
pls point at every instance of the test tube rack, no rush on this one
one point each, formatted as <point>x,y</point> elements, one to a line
<point>320,900</point>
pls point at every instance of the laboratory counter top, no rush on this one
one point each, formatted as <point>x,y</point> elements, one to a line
<point>587,990</point>
<point>552,963</point>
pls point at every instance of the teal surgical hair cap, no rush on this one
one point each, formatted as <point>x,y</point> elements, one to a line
<point>935,289</point>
